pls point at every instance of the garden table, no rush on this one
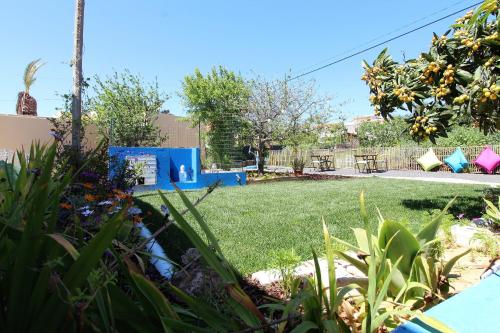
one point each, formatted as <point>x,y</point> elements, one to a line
<point>368,161</point>
<point>324,161</point>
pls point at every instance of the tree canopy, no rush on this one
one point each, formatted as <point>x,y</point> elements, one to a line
<point>217,100</point>
<point>283,112</point>
<point>125,110</point>
<point>457,80</point>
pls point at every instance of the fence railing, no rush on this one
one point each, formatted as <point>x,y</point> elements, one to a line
<point>398,158</point>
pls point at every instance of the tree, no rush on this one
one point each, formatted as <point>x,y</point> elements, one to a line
<point>333,134</point>
<point>306,112</point>
<point>264,116</point>
<point>456,81</point>
<point>125,110</point>
<point>26,104</point>
<point>76,104</point>
<point>217,100</point>
<point>386,134</point>
<point>283,112</point>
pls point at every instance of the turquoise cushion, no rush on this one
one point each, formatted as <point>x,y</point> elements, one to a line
<point>457,161</point>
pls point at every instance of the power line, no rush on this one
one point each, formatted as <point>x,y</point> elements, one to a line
<point>407,25</point>
<point>382,43</point>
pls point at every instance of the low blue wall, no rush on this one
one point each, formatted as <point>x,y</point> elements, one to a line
<point>169,161</point>
<point>117,155</point>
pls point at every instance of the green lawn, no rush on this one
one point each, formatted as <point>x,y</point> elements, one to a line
<point>252,221</point>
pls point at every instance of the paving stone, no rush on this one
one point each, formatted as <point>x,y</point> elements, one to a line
<point>345,273</point>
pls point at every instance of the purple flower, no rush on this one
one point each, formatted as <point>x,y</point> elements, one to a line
<point>164,210</point>
<point>105,203</point>
<point>108,254</point>
<point>87,212</point>
<point>57,136</point>
<point>461,216</point>
<point>134,211</point>
<point>89,175</point>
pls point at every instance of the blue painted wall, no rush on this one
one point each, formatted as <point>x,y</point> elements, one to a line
<point>189,157</point>
<point>169,161</point>
<point>118,154</point>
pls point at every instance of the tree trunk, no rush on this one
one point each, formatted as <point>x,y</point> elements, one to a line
<point>260,151</point>
<point>76,103</point>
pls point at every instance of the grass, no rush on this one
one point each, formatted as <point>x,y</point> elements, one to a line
<point>253,222</point>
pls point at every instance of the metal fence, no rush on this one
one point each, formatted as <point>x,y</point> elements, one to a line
<point>398,158</point>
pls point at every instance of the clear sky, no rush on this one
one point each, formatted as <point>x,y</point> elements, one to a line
<point>169,39</point>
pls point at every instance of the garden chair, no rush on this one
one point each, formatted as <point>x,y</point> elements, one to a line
<point>315,162</point>
<point>381,160</point>
<point>360,163</point>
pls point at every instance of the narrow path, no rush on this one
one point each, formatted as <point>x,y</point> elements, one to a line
<point>442,177</point>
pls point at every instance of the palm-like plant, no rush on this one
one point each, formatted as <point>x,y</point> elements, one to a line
<point>26,104</point>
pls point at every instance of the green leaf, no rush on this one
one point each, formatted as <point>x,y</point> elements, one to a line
<point>403,244</point>
<point>429,232</point>
<point>330,258</point>
<point>449,265</point>
<point>65,244</point>
<point>161,305</point>
<point>304,327</point>
<point>212,317</point>
<point>208,254</point>
<point>78,273</point>
<point>319,288</point>
<point>128,312</point>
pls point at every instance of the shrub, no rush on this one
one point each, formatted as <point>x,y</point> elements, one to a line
<point>422,277</point>
<point>125,110</point>
<point>387,134</point>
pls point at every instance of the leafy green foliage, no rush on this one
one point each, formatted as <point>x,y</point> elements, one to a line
<point>417,276</point>
<point>467,136</point>
<point>125,110</point>
<point>493,212</point>
<point>41,270</point>
<point>489,243</point>
<point>286,261</point>
<point>394,133</point>
<point>457,79</point>
<point>386,134</point>
<point>217,100</point>
<point>298,164</point>
<point>30,72</point>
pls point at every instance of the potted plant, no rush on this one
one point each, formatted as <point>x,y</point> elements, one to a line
<point>298,164</point>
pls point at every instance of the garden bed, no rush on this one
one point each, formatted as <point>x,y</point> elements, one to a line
<point>279,177</point>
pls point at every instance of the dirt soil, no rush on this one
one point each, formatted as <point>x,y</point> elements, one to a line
<point>468,269</point>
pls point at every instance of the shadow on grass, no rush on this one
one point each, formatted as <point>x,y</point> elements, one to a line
<point>470,206</point>
<point>173,240</point>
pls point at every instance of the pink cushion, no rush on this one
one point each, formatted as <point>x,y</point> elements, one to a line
<point>488,160</point>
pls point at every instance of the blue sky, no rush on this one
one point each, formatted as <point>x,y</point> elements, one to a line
<point>169,39</point>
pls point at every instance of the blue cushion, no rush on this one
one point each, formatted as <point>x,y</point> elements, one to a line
<point>457,161</point>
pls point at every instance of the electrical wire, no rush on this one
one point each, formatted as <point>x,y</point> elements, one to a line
<point>381,36</point>
<point>382,43</point>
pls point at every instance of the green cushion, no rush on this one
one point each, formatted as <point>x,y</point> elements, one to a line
<point>429,160</point>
